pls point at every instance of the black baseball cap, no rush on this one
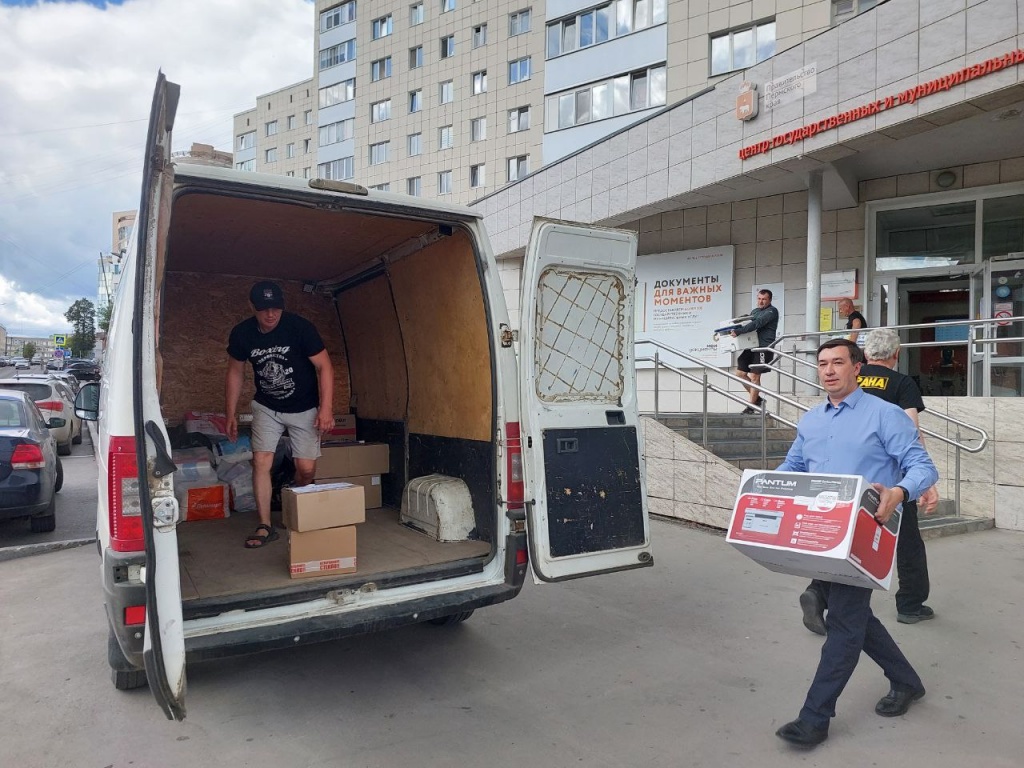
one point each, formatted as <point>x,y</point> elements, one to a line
<point>266,295</point>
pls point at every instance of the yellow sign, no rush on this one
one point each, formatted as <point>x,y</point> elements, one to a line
<point>58,340</point>
<point>825,320</point>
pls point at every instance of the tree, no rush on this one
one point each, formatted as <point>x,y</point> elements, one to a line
<point>82,316</point>
<point>103,320</point>
<point>29,350</point>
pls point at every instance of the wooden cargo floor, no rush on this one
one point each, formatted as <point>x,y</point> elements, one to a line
<point>214,561</point>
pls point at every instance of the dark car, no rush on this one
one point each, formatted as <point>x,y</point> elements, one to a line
<point>30,470</point>
<point>84,370</point>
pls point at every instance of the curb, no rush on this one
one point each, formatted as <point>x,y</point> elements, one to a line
<point>27,550</point>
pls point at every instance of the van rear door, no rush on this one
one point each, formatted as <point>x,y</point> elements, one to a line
<point>164,649</point>
<point>587,500</point>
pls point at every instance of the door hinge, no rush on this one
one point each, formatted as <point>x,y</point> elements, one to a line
<point>508,336</point>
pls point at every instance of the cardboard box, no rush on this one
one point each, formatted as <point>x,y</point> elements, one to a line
<point>325,552</point>
<point>313,507</point>
<point>203,500</point>
<point>816,526</point>
<point>352,460</point>
<point>371,487</point>
<point>344,429</point>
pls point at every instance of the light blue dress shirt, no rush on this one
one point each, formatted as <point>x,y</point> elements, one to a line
<point>863,435</point>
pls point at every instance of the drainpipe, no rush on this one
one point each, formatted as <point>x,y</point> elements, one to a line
<point>813,306</point>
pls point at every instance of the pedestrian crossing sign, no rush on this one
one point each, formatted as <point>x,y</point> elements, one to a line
<point>58,340</point>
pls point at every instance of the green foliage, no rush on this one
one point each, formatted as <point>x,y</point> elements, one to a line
<point>103,319</point>
<point>82,316</point>
<point>28,350</point>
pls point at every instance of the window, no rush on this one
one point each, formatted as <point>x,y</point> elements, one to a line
<point>478,129</point>
<point>305,146</point>
<point>379,152</point>
<point>519,23</point>
<point>247,140</point>
<point>519,70</point>
<point>336,169</point>
<point>445,137</point>
<point>477,175</point>
<point>447,46</point>
<point>306,172</point>
<point>416,57</point>
<point>444,183</point>
<point>415,100</point>
<point>618,96</point>
<point>291,122</point>
<point>479,35</point>
<point>339,14</point>
<point>290,173</point>
<point>518,167</point>
<point>447,92</point>
<point>600,24</point>
<point>246,165</point>
<point>385,187</point>
<point>271,128</point>
<point>847,9</point>
<point>289,150</point>
<point>518,119</point>
<point>308,115</point>
<point>380,111</point>
<point>380,69</point>
<point>415,14</point>
<point>447,5</point>
<point>742,48</point>
<point>479,81</point>
<point>414,186</point>
<point>270,155</point>
<point>381,27</point>
<point>337,93</point>
<point>415,144</point>
<point>335,132</point>
<point>337,54</point>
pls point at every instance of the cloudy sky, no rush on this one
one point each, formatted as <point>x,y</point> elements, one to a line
<point>76,81</point>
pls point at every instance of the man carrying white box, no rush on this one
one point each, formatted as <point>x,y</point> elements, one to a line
<point>854,433</point>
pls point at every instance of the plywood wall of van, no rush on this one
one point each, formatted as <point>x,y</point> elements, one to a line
<point>439,299</point>
<point>376,352</point>
<point>199,311</point>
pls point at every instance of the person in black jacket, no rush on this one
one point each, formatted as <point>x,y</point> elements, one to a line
<point>854,319</point>
<point>764,319</point>
<point>878,377</point>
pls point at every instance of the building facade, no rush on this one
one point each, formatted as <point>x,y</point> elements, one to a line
<point>279,134</point>
<point>121,224</point>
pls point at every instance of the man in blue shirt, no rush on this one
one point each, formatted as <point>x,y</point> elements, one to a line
<point>853,433</point>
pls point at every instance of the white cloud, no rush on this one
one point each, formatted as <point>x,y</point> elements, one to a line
<point>70,65</point>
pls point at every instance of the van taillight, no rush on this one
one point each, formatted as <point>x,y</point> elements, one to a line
<point>514,474</point>
<point>134,615</point>
<point>27,456</point>
<point>124,506</point>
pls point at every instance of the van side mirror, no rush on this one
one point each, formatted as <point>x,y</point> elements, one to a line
<point>56,422</point>
<point>87,401</point>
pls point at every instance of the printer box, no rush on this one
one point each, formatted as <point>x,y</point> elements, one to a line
<point>814,525</point>
<point>312,507</point>
<point>326,552</point>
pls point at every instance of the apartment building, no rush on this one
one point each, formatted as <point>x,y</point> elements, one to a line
<point>454,98</point>
<point>109,276</point>
<point>278,135</point>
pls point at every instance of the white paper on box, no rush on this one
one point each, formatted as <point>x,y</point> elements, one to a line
<point>323,487</point>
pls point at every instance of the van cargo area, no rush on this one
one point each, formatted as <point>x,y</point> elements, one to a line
<point>400,303</point>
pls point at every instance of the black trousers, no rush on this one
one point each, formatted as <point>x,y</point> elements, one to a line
<point>911,565</point>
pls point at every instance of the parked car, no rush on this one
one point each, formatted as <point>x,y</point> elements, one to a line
<point>54,399</point>
<point>30,470</point>
<point>21,364</point>
<point>68,378</point>
<point>84,370</point>
<point>54,364</point>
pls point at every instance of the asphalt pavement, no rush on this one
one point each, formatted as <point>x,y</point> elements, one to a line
<point>694,662</point>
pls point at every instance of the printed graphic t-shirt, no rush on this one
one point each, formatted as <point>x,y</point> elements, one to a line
<point>890,385</point>
<point>285,378</point>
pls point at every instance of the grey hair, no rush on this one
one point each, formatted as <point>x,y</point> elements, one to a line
<point>881,344</point>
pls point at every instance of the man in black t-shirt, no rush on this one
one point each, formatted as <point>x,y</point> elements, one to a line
<point>854,319</point>
<point>878,377</point>
<point>294,393</point>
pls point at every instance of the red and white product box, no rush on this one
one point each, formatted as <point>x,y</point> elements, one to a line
<point>816,526</point>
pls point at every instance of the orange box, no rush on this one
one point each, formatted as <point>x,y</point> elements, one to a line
<point>204,502</point>
<point>325,552</point>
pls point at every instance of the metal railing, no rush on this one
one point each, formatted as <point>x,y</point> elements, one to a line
<point>723,378</point>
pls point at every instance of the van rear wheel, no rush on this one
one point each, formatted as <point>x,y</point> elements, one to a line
<point>122,674</point>
<point>451,619</point>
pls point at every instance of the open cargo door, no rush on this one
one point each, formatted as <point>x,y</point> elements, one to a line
<point>587,508</point>
<point>164,648</point>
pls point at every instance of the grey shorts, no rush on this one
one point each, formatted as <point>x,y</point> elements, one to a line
<point>268,426</point>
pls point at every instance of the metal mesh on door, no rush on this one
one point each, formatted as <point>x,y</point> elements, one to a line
<point>579,336</point>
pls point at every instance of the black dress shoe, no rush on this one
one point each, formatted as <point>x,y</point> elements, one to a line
<point>814,611</point>
<point>924,613</point>
<point>897,701</point>
<point>801,734</point>
<point>749,410</point>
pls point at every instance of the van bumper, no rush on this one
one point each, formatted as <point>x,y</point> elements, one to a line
<point>320,629</point>
<point>119,593</point>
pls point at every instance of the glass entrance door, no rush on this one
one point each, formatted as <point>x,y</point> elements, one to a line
<point>977,352</point>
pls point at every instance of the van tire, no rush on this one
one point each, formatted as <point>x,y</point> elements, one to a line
<point>122,674</point>
<point>451,619</point>
<point>45,523</point>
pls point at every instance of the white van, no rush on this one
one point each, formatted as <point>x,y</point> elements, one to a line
<point>407,296</point>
